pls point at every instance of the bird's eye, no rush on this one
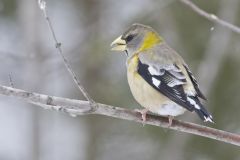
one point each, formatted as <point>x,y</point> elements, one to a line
<point>129,38</point>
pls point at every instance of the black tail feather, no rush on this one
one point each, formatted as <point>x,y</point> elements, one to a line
<point>201,111</point>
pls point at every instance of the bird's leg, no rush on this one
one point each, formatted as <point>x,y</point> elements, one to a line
<point>143,113</point>
<point>170,118</point>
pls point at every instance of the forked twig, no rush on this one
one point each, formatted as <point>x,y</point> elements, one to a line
<point>42,6</point>
<point>210,16</point>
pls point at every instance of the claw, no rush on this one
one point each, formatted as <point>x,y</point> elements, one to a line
<point>170,118</point>
<point>143,113</point>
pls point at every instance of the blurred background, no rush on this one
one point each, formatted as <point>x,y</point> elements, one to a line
<point>86,28</point>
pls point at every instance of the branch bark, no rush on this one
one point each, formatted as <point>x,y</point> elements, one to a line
<point>79,107</point>
<point>210,16</point>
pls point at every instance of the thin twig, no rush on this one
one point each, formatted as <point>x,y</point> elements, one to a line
<point>210,16</point>
<point>42,6</point>
<point>78,107</point>
<point>10,80</point>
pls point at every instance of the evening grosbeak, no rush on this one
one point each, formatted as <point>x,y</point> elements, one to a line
<point>158,77</point>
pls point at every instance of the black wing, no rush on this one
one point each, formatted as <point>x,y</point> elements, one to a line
<point>168,81</point>
<point>195,84</point>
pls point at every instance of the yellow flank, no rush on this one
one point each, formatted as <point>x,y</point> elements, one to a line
<point>150,40</point>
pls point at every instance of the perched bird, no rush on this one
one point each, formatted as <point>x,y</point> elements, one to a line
<point>158,77</point>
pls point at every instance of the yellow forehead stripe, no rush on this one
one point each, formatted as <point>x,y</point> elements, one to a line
<point>150,40</point>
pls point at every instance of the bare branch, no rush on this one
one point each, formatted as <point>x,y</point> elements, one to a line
<point>210,16</point>
<point>42,6</point>
<point>79,107</point>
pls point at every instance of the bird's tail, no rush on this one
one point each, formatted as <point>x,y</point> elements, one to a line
<point>200,109</point>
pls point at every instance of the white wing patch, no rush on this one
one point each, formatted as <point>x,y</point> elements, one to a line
<point>156,82</point>
<point>175,82</point>
<point>177,74</point>
<point>173,70</point>
<point>192,102</point>
<point>190,92</point>
<point>153,71</point>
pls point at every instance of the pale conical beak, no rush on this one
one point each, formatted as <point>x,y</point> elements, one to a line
<point>118,44</point>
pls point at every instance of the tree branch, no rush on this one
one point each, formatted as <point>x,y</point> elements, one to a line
<point>42,6</point>
<point>79,107</point>
<point>210,16</point>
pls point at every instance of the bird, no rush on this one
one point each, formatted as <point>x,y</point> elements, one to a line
<point>159,79</point>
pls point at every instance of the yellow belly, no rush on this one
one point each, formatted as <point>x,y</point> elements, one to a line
<point>147,96</point>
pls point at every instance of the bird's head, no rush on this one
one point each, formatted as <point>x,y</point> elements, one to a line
<point>135,39</point>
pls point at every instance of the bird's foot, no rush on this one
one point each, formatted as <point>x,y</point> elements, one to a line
<point>170,118</point>
<point>143,113</point>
